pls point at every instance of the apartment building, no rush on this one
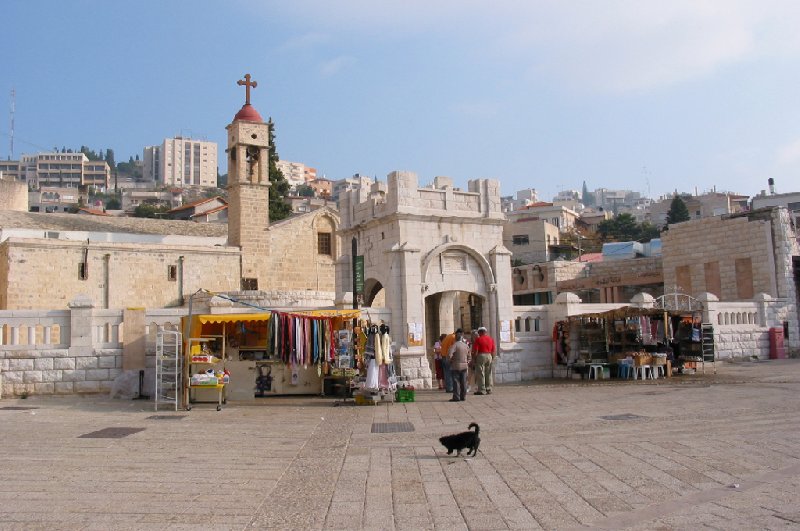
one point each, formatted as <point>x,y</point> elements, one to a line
<point>61,170</point>
<point>296,173</point>
<point>342,186</point>
<point>181,162</point>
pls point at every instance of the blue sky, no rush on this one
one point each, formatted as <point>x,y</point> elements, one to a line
<point>645,95</point>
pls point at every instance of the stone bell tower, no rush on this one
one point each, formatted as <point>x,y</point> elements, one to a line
<point>248,190</point>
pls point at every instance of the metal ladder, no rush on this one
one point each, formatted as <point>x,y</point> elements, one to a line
<point>169,349</point>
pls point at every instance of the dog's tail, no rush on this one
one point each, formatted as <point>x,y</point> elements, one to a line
<point>477,428</point>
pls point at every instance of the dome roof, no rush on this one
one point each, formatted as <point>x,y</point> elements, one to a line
<point>248,113</point>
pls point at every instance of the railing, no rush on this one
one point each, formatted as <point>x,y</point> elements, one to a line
<point>34,329</point>
<point>107,329</point>
<point>736,314</point>
<point>531,321</point>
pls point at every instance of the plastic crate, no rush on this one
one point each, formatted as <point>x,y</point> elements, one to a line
<point>362,400</point>
<point>405,395</point>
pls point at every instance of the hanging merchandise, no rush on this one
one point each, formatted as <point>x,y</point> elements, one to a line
<point>369,354</point>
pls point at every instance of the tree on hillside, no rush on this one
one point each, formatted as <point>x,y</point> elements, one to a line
<point>278,207</point>
<point>305,190</point>
<point>677,211</point>
<point>149,210</point>
<point>620,228</point>
<point>624,228</point>
<point>110,158</point>
<point>90,153</point>
<point>586,197</point>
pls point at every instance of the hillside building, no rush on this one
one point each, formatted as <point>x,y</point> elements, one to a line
<point>181,162</point>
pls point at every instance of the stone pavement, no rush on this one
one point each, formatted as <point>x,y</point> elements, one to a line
<point>720,452</point>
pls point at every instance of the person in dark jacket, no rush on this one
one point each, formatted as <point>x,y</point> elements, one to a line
<point>459,357</point>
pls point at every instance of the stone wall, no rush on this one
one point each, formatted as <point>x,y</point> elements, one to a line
<point>44,274</point>
<point>13,195</point>
<point>294,259</point>
<point>46,372</point>
<point>4,263</point>
<point>720,242</point>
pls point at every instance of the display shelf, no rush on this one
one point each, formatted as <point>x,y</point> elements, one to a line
<point>168,368</point>
<point>200,356</point>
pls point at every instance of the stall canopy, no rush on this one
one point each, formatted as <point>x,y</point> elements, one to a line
<point>232,318</point>
<point>622,313</point>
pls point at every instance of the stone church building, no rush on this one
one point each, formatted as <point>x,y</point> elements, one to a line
<point>47,260</point>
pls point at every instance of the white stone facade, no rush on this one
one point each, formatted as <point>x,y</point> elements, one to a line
<point>421,246</point>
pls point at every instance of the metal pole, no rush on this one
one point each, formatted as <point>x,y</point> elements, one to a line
<point>353,263</point>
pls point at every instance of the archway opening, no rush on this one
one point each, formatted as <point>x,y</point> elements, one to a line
<point>446,311</point>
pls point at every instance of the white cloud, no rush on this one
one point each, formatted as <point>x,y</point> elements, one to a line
<point>336,65</point>
<point>609,45</point>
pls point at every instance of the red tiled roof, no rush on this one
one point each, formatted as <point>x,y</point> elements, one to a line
<point>213,210</point>
<point>196,203</point>
<point>538,204</point>
<point>590,257</point>
<point>93,211</point>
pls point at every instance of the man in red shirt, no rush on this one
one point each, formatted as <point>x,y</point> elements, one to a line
<point>485,352</point>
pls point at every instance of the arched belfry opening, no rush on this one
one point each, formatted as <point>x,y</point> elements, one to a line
<point>433,260</point>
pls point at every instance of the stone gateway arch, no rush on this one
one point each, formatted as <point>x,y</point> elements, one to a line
<point>433,256</point>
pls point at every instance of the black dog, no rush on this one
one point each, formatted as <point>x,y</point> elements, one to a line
<point>459,441</point>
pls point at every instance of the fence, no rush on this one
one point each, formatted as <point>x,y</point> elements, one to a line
<point>80,350</point>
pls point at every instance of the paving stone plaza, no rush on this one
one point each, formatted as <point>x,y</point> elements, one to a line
<point>715,451</point>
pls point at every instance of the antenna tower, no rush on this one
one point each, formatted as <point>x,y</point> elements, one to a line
<point>11,136</point>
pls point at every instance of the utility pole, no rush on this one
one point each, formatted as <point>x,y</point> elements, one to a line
<point>11,129</point>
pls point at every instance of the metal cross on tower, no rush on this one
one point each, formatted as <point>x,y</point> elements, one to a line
<point>247,84</point>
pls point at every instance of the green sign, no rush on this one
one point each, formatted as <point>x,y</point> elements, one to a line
<point>358,274</point>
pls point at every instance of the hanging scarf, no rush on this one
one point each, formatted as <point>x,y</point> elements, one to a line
<point>386,347</point>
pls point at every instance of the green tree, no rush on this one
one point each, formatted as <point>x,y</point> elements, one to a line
<point>648,231</point>
<point>305,190</point>
<point>624,228</point>
<point>278,207</point>
<point>586,197</point>
<point>90,153</point>
<point>677,211</point>
<point>149,210</point>
<point>113,204</point>
<point>110,158</point>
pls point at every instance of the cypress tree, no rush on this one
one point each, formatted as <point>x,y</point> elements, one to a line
<point>677,211</point>
<point>278,207</point>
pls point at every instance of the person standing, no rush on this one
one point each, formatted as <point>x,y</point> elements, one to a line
<point>459,357</point>
<point>485,353</point>
<point>447,342</point>
<point>437,361</point>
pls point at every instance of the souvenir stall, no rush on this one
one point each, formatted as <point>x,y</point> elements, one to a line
<point>627,342</point>
<point>376,380</point>
<point>244,356</point>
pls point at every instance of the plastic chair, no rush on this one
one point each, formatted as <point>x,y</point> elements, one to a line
<point>595,371</point>
<point>642,370</point>
<point>625,369</point>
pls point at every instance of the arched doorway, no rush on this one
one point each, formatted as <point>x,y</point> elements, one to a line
<point>447,311</point>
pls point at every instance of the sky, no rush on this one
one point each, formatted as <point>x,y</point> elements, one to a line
<point>651,96</point>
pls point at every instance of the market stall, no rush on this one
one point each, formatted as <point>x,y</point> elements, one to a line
<point>245,356</point>
<point>631,342</point>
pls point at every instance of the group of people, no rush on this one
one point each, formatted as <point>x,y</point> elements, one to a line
<point>454,355</point>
